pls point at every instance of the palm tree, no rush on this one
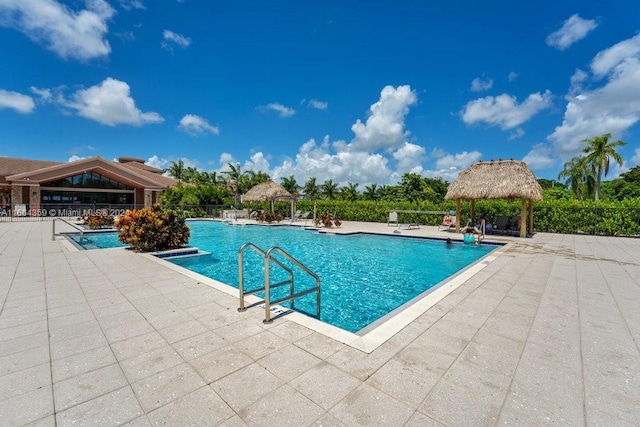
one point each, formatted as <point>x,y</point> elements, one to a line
<point>311,189</point>
<point>578,177</point>
<point>598,153</point>
<point>234,176</point>
<point>290,184</point>
<point>371,192</point>
<point>329,189</point>
<point>349,192</point>
<point>177,170</point>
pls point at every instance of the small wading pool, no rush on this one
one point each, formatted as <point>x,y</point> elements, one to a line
<point>363,276</point>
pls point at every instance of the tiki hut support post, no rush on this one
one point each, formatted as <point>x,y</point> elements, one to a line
<point>531,215</point>
<point>523,217</point>
<point>473,210</point>
<point>458,215</point>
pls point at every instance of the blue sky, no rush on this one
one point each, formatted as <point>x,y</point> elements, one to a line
<point>353,91</point>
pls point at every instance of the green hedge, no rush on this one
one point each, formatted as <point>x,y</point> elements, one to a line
<point>555,216</point>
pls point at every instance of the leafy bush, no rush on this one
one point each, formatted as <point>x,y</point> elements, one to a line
<point>269,217</point>
<point>97,220</point>
<point>153,229</point>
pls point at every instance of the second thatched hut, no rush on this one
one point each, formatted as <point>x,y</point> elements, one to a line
<point>502,179</point>
<point>268,191</point>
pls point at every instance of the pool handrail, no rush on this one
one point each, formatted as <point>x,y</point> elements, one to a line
<point>241,273</point>
<point>292,296</point>
<point>53,228</point>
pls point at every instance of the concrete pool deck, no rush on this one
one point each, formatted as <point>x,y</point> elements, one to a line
<point>547,333</point>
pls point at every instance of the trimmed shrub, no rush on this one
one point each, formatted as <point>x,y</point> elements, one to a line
<point>153,229</point>
<point>97,220</point>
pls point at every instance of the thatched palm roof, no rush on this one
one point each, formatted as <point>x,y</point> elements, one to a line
<point>266,192</point>
<point>502,179</point>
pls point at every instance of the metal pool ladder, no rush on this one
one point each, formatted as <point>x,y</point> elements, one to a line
<point>268,259</point>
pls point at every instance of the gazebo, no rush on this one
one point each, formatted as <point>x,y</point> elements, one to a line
<point>267,192</point>
<point>502,179</point>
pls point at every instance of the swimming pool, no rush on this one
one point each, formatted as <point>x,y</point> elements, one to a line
<point>363,276</point>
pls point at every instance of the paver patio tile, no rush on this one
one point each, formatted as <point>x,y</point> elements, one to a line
<point>367,406</point>
<point>88,386</point>
<point>25,381</point>
<point>21,319</point>
<point>199,408</point>
<point>22,343</point>
<point>246,385</point>
<point>320,345</point>
<point>126,331</point>
<point>137,346</point>
<point>199,345</point>
<point>82,363</point>
<point>75,330</point>
<point>26,408</point>
<point>158,390</point>
<point>114,408</point>
<point>69,347</point>
<point>289,362</point>
<point>325,384</point>
<point>24,359</point>
<point>466,396</point>
<point>23,330</point>
<point>220,363</point>
<point>283,406</point>
<point>260,345</point>
<point>150,363</point>
<point>182,331</point>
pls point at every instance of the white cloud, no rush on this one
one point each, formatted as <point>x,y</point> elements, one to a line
<point>479,85</point>
<point>68,33</point>
<point>278,108</point>
<point>504,111</point>
<point>517,133</point>
<point>171,39</point>
<point>609,60</point>
<point>165,163</point>
<point>635,160</point>
<point>110,103</point>
<point>132,4</point>
<point>540,157</point>
<point>573,30</point>
<point>512,76</point>
<point>319,161</point>
<point>318,105</point>
<point>17,101</point>
<point>226,158</point>
<point>613,107</point>
<point>75,158</point>
<point>448,166</point>
<point>257,163</point>
<point>196,125</point>
<point>384,128</point>
<point>409,157</point>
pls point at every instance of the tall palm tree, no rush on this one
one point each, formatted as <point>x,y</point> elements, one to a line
<point>371,192</point>
<point>311,189</point>
<point>177,170</point>
<point>234,176</point>
<point>599,151</point>
<point>290,184</point>
<point>329,189</point>
<point>349,192</point>
<point>578,176</point>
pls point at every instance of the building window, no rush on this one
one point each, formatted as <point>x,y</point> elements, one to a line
<point>88,180</point>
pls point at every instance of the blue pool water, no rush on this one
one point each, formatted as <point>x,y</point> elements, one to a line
<point>363,276</point>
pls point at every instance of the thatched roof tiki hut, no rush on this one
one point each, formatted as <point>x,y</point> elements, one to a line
<point>267,192</point>
<point>503,179</point>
